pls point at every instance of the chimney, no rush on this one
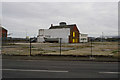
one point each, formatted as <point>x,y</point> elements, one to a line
<point>51,25</point>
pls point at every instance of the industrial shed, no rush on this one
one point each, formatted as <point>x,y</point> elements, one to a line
<point>67,33</point>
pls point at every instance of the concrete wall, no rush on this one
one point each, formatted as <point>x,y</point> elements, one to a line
<point>83,38</point>
<point>54,33</point>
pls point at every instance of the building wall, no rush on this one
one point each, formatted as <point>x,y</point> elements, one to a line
<point>74,35</point>
<point>83,38</point>
<point>3,33</point>
<point>0,31</point>
<point>54,33</point>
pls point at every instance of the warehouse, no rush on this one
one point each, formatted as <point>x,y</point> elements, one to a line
<point>67,33</point>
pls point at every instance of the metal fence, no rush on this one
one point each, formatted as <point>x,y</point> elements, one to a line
<point>28,47</point>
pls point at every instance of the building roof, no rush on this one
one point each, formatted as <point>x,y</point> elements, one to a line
<point>2,28</point>
<point>63,26</point>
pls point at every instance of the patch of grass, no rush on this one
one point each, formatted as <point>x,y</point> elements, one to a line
<point>11,44</point>
<point>40,49</point>
<point>8,44</point>
<point>62,46</point>
<point>25,47</point>
<point>28,47</point>
<point>32,47</point>
<point>85,46</point>
<point>115,51</point>
<point>53,51</point>
<point>75,46</point>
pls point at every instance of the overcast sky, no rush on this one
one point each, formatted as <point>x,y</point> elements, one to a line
<point>93,18</point>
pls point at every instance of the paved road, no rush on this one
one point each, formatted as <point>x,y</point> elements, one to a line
<point>58,69</point>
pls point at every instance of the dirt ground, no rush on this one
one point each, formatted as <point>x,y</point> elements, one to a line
<point>98,48</point>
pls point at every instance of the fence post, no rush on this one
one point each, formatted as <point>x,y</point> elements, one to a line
<point>30,46</point>
<point>60,45</point>
<point>91,48</point>
<point>91,57</point>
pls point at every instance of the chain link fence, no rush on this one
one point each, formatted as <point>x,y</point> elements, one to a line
<point>94,47</point>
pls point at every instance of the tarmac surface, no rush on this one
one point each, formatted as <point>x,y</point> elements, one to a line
<point>12,68</point>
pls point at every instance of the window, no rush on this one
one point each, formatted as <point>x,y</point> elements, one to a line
<point>73,40</point>
<point>83,39</point>
<point>73,34</point>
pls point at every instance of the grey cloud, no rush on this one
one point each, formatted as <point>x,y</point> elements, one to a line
<point>90,17</point>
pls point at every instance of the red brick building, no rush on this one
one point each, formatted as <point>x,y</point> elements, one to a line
<point>3,32</point>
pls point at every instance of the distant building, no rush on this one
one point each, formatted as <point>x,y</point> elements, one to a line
<point>108,38</point>
<point>68,34</point>
<point>3,32</point>
<point>83,38</point>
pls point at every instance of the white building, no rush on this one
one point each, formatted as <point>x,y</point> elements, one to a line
<point>83,38</point>
<point>54,34</point>
<point>67,34</point>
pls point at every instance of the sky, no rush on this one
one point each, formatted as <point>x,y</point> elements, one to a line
<point>26,18</point>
